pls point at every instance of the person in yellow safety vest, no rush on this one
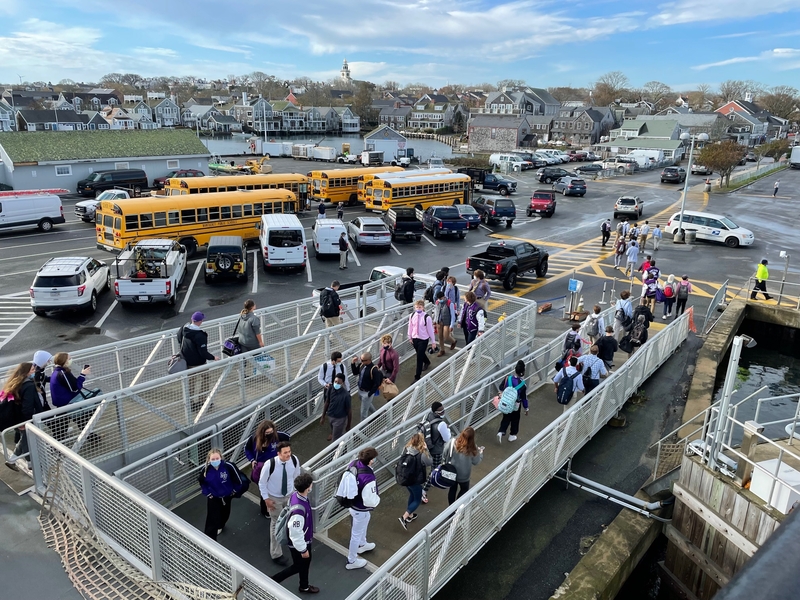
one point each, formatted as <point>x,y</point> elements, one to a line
<point>762,274</point>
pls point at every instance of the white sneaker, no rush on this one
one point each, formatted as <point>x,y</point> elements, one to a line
<point>366,547</point>
<point>219,531</point>
<point>665,317</point>
<point>512,438</point>
<point>358,563</point>
<point>500,437</point>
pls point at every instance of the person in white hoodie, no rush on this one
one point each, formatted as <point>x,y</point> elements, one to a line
<point>366,499</point>
<point>594,326</point>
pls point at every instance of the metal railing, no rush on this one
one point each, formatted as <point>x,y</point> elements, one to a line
<point>161,545</point>
<point>787,293</point>
<point>745,174</point>
<point>169,475</point>
<point>718,301</point>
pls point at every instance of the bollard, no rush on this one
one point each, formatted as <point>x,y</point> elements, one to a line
<point>630,288</point>
<point>613,288</point>
<point>603,299</point>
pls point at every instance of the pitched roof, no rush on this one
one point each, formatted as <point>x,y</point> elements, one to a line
<point>224,119</point>
<point>395,112</point>
<point>542,95</point>
<point>689,119</point>
<point>539,119</point>
<point>385,131</point>
<point>750,107</point>
<point>502,121</point>
<point>281,105</point>
<point>643,143</point>
<point>51,116</point>
<point>594,115</point>
<point>45,146</point>
<point>658,127</point>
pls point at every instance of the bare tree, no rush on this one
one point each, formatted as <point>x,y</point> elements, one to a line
<point>511,84</point>
<point>782,101</point>
<point>390,85</point>
<point>110,79</point>
<point>362,103</point>
<point>660,94</point>
<point>565,93</point>
<point>736,89</point>
<point>610,87</point>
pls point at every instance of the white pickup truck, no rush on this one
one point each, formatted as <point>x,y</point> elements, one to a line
<point>86,210</point>
<point>149,271</point>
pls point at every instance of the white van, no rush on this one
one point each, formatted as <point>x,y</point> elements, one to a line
<point>283,241</point>
<point>325,234</point>
<point>712,228</point>
<point>28,211</point>
<point>499,159</point>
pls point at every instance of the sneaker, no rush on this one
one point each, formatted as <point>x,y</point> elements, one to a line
<point>424,497</point>
<point>358,563</point>
<point>309,590</point>
<point>665,317</point>
<point>403,522</point>
<point>219,531</point>
<point>366,547</point>
<point>500,437</point>
<point>413,517</point>
<point>12,465</point>
<point>512,438</point>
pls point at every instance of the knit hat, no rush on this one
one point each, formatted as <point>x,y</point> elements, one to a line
<point>671,279</point>
<point>198,316</point>
<point>41,358</point>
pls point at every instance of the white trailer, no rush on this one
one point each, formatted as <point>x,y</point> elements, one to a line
<point>371,158</point>
<point>259,146</point>
<point>324,153</point>
<point>303,151</point>
<point>645,157</point>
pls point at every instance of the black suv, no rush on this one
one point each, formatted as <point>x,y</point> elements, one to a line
<point>134,180</point>
<point>673,175</point>
<point>226,258</point>
<point>550,174</point>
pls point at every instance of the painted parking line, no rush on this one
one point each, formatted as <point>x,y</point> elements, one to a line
<point>254,289</point>
<point>308,270</point>
<point>191,287</point>
<point>396,250</point>
<point>50,253</point>
<point>15,314</point>
<point>353,253</point>
<point>502,236</point>
<point>77,239</point>
<point>425,237</point>
<point>484,227</point>
<point>107,314</point>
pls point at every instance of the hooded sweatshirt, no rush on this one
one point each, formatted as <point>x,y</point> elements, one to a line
<point>249,328</point>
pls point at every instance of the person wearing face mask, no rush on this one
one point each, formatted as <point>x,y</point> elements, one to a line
<point>339,407</point>
<point>327,372</point>
<point>389,359</point>
<point>66,389</point>
<point>22,399</point>
<point>262,447</point>
<point>421,334</point>
<point>370,378</point>
<point>219,481</point>
<point>361,511</point>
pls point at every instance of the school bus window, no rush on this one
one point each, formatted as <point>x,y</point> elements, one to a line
<point>146,221</point>
<point>257,209</point>
<point>248,210</point>
<point>248,187</point>
<point>287,207</point>
<point>237,211</point>
<point>161,219</point>
<point>107,220</point>
<point>175,192</point>
<point>188,215</point>
<point>174,217</point>
<point>225,211</point>
<point>131,222</point>
<point>202,215</point>
<point>193,191</point>
<point>213,213</point>
<point>207,190</point>
<point>118,223</point>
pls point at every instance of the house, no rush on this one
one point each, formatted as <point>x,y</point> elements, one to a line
<point>91,100</point>
<point>315,123</point>
<point>166,112</point>
<point>646,133</point>
<point>541,127</point>
<point>264,117</point>
<point>431,112</point>
<point>671,148</point>
<point>197,116</point>
<point>331,118</point>
<point>293,120</point>
<point>41,159</point>
<point>532,101</point>
<point>349,122</point>
<point>497,133</point>
<point>7,119</point>
<point>222,123</point>
<point>96,121</point>
<point>50,120</point>
<point>140,108</point>
<point>118,118</point>
<point>746,129</point>
<point>396,118</point>
<point>648,128</point>
<point>143,121</point>
<point>543,98</point>
<point>776,127</point>
<point>581,126</point>
<point>711,123</point>
<point>385,139</point>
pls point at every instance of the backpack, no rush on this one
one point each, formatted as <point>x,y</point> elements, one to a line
<point>282,522</point>
<point>509,397</point>
<point>593,326</point>
<point>644,311</point>
<point>668,291</point>
<point>623,318</point>
<point>272,462</point>
<point>408,470</point>
<point>398,292</point>
<point>606,226</point>
<point>639,331</point>
<point>572,341</point>
<point>444,476</point>
<point>566,387</point>
<point>349,480</point>
<point>683,292</point>
<point>429,296</point>
<point>426,427</point>
<point>328,308</point>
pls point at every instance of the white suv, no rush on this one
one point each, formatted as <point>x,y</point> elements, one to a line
<point>69,283</point>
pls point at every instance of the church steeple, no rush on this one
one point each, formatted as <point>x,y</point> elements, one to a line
<point>345,72</point>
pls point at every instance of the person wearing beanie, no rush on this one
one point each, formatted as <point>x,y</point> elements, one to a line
<point>762,274</point>
<point>40,360</point>
<point>194,349</point>
<point>513,417</point>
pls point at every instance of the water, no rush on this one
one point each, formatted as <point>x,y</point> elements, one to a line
<point>238,144</point>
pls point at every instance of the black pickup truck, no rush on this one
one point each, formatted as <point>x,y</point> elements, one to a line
<point>403,223</point>
<point>507,260</point>
<point>485,180</point>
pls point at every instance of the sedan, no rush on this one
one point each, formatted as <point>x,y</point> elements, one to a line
<point>369,231</point>
<point>469,214</point>
<point>701,170</point>
<point>160,182</point>
<point>589,168</point>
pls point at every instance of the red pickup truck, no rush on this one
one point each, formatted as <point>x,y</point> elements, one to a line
<point>543,202</point>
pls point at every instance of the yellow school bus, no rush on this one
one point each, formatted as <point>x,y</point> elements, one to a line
<point>419,192</point>
<point>294,182</point>
<point>190,220</point>
<point>365,181</point>
<point>341,185</point>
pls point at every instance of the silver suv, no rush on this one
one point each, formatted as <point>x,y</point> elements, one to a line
<point>629,206</point>
<point>69,283</point>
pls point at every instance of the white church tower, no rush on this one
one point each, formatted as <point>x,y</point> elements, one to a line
<point>346,73</point>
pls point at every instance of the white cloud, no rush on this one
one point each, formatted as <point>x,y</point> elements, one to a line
<point>694,11</point>
<point>164,52</point>
<point>735,35</point>
<point>729,61</point>
<point>776,54</point>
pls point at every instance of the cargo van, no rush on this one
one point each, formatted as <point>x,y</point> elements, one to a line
<point>134,180</point>
<point>26,211</point>
<point>283,242</point>
<point>326,233</point>
<point>512,160</point>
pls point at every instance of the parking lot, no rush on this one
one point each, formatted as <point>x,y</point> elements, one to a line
<point>571,236</point>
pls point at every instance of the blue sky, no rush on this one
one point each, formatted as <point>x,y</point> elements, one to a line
<point>682,43</point>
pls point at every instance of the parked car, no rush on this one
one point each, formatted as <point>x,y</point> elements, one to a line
<point>570,186</point>
<point>86,210</point>
<point>160,182</point>
<point>443,220</point>
<point>712,228</point>
<point>99,181</point>
<point>589,168</point>
<point>509,259</point>
<point>701,170</point>
<point>403,223</point>
<point>751,156</point>
<point>469,214</point>
<point>543,202</point>
<point>69,283</point>
<point>530,157</point>
<point>628,206</point>
<point>495,210</point>
<point>550,160</point>
<point>369,232</point>
<point>550,174</point>
<point>226,258</point>
<point>673,175</point>
<point>592,156</point>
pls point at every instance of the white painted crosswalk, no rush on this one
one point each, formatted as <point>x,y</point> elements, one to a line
<point>15,314</point>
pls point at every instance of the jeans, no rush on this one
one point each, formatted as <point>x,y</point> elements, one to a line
<point>367,407</point>
<point>420,346</point>
<point>462,486</point>
<point>470,336</point>
<point>358,532</point>
<point>414,497</point>
<point>299,565</point>
<point>618,259</point>
<point>275,550</point>
<point>218,511</point>
<point>668,304</point>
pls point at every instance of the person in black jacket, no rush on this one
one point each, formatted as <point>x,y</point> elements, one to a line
<point>370,378</point>
<point>330,305</point>
<point>407,286</point>
<point>29,401</point>
<point>194,349</point>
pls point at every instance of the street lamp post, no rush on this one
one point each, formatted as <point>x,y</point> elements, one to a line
<point>680,234</point>
<point>785,256</point>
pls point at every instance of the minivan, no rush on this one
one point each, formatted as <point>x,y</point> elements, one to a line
<point>325,234</point>
<point>283,242</point>
<point>134,179</point>
<point>712,228</point>
<point>22,211</point>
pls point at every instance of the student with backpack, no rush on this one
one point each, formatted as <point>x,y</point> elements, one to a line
<point>623,315</point>
<point>421,334</point>
<point>404,292</point>
<point>370,378</point>
<point>444,315</point>
<point>363,501</point>
<point>412,472</point>
<point>669,292</point>
<point>220,482</point>
<point>330,305</point>
<point>463,456</point>
<point>567,381</point>
<point>275,484</point>
<point>572,342</point>
<point>643,311</point>
<point>607,346</point>
<point>451,293</point>
<point>649,292</point>
<point>473,318</point>
<point>594,325</point>
<point>593,368</point>
<point>436,430</point>
<point>260,449</point>
<point>620,247</point>
<point>513,391</point>
<point>682,295</point>
<point>299,534</point>
<point>637,336</point>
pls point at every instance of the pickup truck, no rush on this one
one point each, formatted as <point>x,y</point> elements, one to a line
<point>85,210</point>
<point>149,271</point>
<point>403,223</point>
<point>443,220</point>
<point>483,179</point>
<point>507,260</point>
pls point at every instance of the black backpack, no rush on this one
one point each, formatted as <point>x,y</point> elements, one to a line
<point>398,292</point>
<point>566,387</point>
<point>428,296</point>
<point>328,307</point>
<point>409,470</point>
<point>643,311</point>
<point>683,292</point>
<point>639,332</point>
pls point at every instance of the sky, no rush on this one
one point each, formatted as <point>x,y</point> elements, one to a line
<point>682,43</point>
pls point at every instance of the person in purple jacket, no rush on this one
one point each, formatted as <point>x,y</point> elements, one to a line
<point>361,511</point>
<point>260,448</point>
<point>66,389</point>
<point>301,534</point>
<point>219,480</point>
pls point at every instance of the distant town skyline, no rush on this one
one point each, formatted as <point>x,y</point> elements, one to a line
<point>683,43</point>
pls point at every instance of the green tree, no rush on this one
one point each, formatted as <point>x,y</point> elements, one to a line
<point>722,158</point>
<point>774,149</point>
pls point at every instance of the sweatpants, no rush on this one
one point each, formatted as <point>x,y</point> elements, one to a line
<point>218,511</point>
<point>512,419</point>
<point>358,532</point>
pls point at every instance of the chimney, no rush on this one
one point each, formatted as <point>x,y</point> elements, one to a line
<point>244,99</point>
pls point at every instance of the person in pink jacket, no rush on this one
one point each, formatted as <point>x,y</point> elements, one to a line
<point>421,334</point>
